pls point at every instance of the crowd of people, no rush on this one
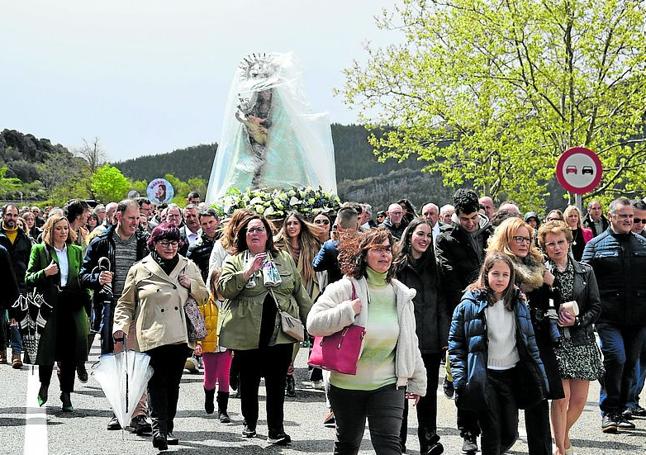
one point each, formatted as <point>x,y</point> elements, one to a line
<point>522,311</point>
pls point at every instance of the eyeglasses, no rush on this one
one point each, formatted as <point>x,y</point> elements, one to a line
<point>623,216</point>
<point>639,220</point>
<point>552,218</point>
<point>259,230</point>
<point>519,239</point>
<point>168,243</point>
<point>326,222</point>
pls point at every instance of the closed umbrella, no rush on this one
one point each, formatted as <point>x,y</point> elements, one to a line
<point>123,377</point>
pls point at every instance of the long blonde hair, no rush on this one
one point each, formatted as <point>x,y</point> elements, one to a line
<point>48,228</point>
<point>502,238</point>
<point>568,211</point>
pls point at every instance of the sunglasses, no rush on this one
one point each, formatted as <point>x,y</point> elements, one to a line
<point>639,220</point>
<point>326,222</point>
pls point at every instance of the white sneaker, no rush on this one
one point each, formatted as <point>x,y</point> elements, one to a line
<point>318,385</point>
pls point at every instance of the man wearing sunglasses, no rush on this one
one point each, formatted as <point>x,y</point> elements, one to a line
<point>639,220</point>
<point>618,258</point>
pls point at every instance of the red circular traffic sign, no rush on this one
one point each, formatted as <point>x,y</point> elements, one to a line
<point>579,170</point>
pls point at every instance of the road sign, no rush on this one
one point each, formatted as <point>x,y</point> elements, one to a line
<point>579,170</point>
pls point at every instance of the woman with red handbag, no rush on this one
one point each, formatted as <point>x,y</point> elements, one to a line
<point>389,367</point>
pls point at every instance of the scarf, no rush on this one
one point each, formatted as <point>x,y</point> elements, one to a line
<point>167,265</point>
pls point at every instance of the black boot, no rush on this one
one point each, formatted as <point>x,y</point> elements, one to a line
<point>159,435</point>
<point>209,407</point>
<point>67,402</point>
<point>223,401</point>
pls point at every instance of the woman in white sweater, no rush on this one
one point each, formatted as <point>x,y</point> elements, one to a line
<point>390,367</point>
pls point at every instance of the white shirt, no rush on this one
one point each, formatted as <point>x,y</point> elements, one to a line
<point>501,332</point>
<point>192,236</point>
<point>63,264</point>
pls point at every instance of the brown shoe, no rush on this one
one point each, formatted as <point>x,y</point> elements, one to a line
<point>15,361</point>
<point>3,356</point>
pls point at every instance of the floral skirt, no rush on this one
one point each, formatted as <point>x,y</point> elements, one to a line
<point>579,361</point>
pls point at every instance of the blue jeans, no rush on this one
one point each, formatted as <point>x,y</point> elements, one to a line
<point>638,385</point>
<point>12,332</point>
<point>621,347</point>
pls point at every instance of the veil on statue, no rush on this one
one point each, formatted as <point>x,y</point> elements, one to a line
<point>270,139</point>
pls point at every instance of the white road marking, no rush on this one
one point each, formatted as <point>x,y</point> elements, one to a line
<point>36,418</point>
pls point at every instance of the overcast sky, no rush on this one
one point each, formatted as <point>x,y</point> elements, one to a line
<point>150,76</point>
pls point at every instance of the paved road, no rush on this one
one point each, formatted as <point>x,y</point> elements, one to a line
<point>48,430</point>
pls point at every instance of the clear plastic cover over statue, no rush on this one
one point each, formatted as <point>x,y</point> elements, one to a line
<point>270,139</point>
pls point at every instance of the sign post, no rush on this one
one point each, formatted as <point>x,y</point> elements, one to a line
<point>579,171</point>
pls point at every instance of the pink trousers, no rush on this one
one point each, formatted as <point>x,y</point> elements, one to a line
<point>216,369</point>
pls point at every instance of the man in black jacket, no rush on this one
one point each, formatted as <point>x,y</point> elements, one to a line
<point>595,220</point>
<point>460,250</point>
<point>618,258</point>
<point>19,247</point>
<point>8,296</point>
<point>200,251</point>
<point>122,245</point>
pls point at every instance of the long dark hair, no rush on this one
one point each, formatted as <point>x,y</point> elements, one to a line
<point>354,251</point>
<point>405,250</point>
<point>482,283</point>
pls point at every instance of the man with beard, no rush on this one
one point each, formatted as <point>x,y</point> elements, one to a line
<point>18,245</point>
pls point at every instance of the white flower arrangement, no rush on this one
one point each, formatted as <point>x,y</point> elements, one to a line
<point>276,203</point>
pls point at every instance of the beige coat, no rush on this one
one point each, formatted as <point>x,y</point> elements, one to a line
<point>155,302</point>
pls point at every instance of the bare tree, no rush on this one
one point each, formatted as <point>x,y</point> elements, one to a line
<point>92,153</point>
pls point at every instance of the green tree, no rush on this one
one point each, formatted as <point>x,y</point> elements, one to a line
<point>8,184</point>
<point>109,184</point>
<point>490,93</point>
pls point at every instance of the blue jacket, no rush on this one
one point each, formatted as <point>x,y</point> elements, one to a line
<point>468,346</point>
<point>619,263</point>
<point>327,259</point>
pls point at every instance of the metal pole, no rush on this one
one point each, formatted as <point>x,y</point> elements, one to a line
<point>578,201</point>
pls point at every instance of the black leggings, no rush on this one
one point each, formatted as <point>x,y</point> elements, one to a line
<point>163,388</point>
<point>272,363</point>
<point>67,369</point>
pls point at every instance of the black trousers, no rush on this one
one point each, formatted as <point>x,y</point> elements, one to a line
<point>67,370</point>
<point>537,425</point>
<point>499,422</point>
<point>427,406</point>
<point>272,363</point>
<point>383,408</point>
<point>163,388</point>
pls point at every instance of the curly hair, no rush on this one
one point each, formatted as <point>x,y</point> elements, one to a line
<point>353,252</point>
<point>231,228</point>
<point>465,201</point>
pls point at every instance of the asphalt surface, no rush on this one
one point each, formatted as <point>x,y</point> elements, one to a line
<point>84,431</point>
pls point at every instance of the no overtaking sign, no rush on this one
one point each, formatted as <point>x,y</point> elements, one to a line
<point>579,170</point>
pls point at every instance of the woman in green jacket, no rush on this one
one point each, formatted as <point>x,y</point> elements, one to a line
<point>54,270</point>
<point>256,281</point>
